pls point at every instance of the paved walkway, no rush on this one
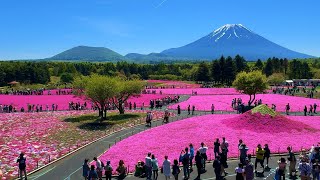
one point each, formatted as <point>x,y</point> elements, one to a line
<point>70,167</point>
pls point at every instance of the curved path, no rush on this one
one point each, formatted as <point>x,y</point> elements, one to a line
<point>71,166</point>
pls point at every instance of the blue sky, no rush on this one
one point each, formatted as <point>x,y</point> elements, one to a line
<point>40,29</point>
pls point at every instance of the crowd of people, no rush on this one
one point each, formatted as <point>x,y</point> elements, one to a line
<point>41,91</point>
<point>305,165</point>
<point>295,90</point>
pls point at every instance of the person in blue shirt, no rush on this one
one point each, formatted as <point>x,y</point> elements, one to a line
<point>185,159</point>
<point>93,175</point>
<point>85,169</point>
<point>191,156</point>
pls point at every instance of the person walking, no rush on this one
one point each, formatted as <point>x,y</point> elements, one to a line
<point>98,167</point>
<point>259,157</point>
<point>216,148</point>
<point>185,159</point>
<point>148,164</point>
<point>305,110</point>
<point>287,108</point>
<point>292,162</point>
<point>85,169</point>
<point>179,110</point>
<point>22,164</point>
<point>203,152</point>
<point>198,160</point>
<point>193,109</point>
<point>266,155</point>
<point>175,169</point>
<point>315,108</point>
<point>243,153</point>
<point>224,146</point>
<point>166,167</point>
<point>311,109</point>
<point>191,156</point>
<point>212,108</point>
<point>155,167</point>
<point>189,109</point>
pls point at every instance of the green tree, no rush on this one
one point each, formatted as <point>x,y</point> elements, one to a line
<point>125,89</point>
<point>203,73</point>
<point>66,77</point>
<point>216,71</point>
<point>251,83</point>
<point>268,69</point>
<point>98,89</point>
<point>230,70</point>
<point>259,65</point>
<point>240,62</point>
<point>276,79</point>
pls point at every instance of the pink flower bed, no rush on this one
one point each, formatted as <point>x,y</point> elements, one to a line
<point>39,136</point>
<point>19,101</point>
<point>144,98</point>
<point>200,91</point>
<point>170,139</point>
<point>177,84</point>
<point>223,102</point>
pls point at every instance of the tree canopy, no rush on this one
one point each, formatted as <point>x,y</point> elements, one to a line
<point>104,91</point>
<point>251,83</point>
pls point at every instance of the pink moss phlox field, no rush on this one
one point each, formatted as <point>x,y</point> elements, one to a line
<point>19,101</point>
<point>176,84</point>
<point>223,102</point>
<point>258,123</point>
<point>170,139</point>
<point>38,135</point>
<point>200,91</point>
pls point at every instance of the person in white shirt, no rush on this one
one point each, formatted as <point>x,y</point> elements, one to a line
<point>99,167</point>
<point>166,167</point>
<point>203,151</point>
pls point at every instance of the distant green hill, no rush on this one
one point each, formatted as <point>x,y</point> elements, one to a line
<point>86,53</point>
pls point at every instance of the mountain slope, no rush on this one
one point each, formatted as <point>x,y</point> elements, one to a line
<point>230,40</point>
<point>87,53</point>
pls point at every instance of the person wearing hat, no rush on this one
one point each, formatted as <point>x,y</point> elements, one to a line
<point>22,166</point>
<point>108,170</point>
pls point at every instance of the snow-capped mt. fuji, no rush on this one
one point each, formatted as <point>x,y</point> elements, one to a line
<point>230,40</point>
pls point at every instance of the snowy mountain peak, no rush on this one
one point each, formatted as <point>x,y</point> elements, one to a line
<point>231,31</point>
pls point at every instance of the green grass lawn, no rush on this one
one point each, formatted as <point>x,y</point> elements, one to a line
<point>92,121</point>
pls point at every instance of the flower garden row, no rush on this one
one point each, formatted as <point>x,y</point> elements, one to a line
<point>19,101</point>
<point>44,137</point>
<point>170,139</point>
